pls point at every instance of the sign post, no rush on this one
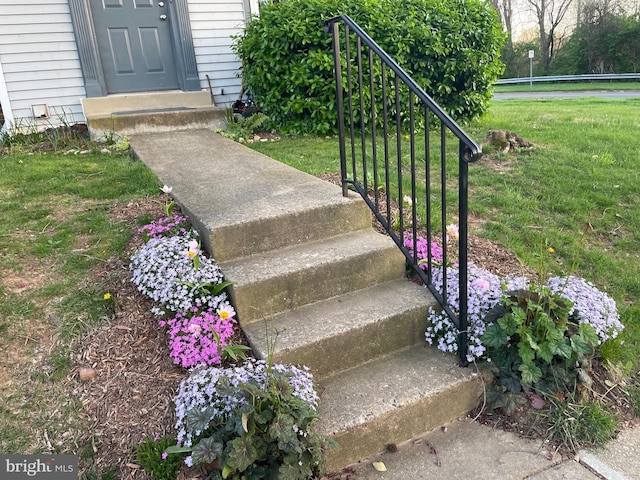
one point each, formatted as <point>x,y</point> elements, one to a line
<point>530,69</point>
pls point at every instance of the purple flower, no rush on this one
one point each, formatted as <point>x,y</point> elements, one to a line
<point>422,250</point>
<point>196,337</point>
<point>589,304</point>
<point>162,272</point>
<point>200,391</point>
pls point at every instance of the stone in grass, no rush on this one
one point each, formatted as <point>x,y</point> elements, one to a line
<point>503,141</point>
<point>86,374</point>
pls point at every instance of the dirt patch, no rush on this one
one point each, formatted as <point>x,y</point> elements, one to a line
<point>32,277</point>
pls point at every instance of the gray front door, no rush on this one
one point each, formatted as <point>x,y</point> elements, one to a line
<point>135,46</point>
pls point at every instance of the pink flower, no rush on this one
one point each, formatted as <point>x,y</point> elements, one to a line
<point>483,284</point>
<point>164,455</point>
<point>195,329</point>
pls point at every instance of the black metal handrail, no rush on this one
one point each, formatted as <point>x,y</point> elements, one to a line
<point>371,94</point>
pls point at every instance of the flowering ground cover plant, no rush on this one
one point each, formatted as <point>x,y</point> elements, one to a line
<point>168,226</point>
<point>590,305</point>
<point>165,269</point>
<point>199,337</point>
<point>485,291</point>
<point>249,421</point>
<point>252,421</point>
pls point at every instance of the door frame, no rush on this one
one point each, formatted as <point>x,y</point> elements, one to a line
<point>87,42</point>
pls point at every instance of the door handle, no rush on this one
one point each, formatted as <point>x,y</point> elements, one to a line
<point>163,17</point>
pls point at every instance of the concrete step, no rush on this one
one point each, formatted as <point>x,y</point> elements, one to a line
<point>342,332</point>
<point>105,106</point>
<point>151,112</point>
<point>289,278</point>
<point>243,202</point>
<point>393,399</point>
<point>157,120</point>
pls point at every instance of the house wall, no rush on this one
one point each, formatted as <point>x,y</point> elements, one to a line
<point>40,63</point>
<point>213,22</point>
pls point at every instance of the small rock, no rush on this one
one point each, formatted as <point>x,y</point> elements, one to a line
<point>87,374</point>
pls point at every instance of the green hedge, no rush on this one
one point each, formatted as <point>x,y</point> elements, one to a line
<point>450,47</point>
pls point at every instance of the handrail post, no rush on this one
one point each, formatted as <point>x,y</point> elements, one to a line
<point>335,28</point>
<point>463,233</point>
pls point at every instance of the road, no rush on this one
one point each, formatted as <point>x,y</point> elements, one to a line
<point>561,95</point>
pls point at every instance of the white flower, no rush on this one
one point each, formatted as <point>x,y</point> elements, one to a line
<point>226,312</point>
<point>452,231</point>
<point>167,189</point>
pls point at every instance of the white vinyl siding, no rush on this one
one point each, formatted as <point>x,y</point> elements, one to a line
<point>213,22</point>
<point>40,62</point>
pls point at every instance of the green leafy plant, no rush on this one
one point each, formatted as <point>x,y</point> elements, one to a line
<point>254,421</point>
<point>536,345</point>
<point>153,458</point>
<point>451,48</point>
<point>244,127</point>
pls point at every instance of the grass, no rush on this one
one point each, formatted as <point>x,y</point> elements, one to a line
<point>576,192</point>
<point>55,232</point>
<point>567,86</point>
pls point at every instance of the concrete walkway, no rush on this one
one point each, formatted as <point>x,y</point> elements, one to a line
<point>460,450</point>
<point>468,450</point>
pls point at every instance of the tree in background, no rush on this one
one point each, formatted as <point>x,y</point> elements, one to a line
<point>450,47</point>
<point>505,10</point>
<point>606,40</point>
<point>549,14</point>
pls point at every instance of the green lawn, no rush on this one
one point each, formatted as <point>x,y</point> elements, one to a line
<point>55,231</point>
<point>577,191</point>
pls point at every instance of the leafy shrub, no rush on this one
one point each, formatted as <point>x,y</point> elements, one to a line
<point>535,343</point>
<point>450,47</point>
<point>253,421</point>
<point>239,126</point>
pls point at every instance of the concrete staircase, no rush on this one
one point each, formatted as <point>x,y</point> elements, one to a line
<point>307,265</point>
<point>164,111</point>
